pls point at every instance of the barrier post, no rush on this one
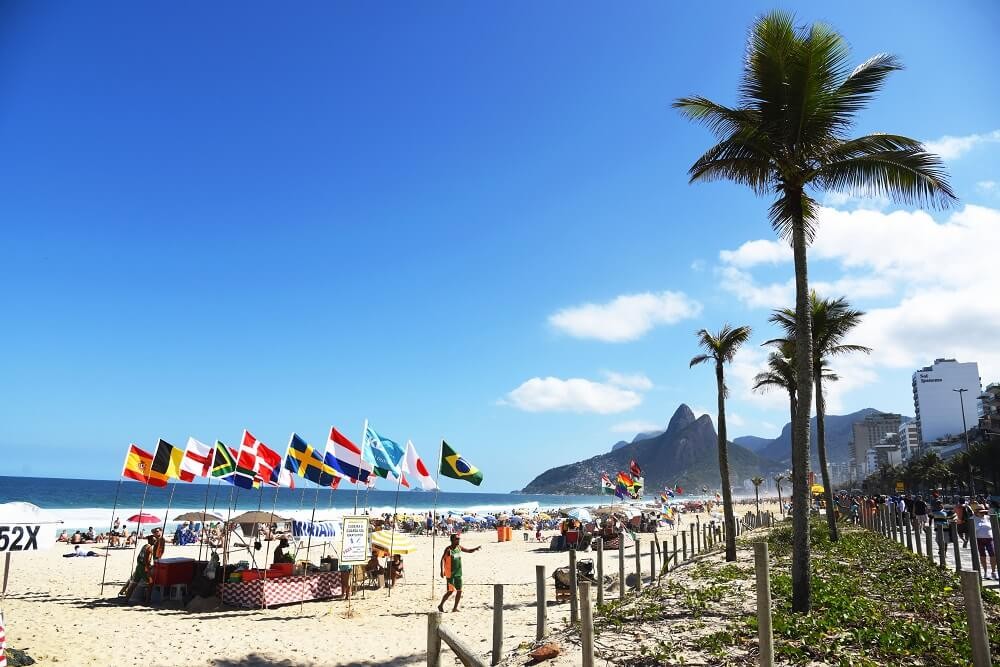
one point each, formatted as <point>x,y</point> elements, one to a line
<point>540,609</point>
<point>638,566</point>
<point>765,634</point>
<point>586,625</point>
<point>978,636</point>
<point>600,572</point>
<point>621,567</point>
<point>497,624</point>
<point>574,614</point>
<point>433,639</point>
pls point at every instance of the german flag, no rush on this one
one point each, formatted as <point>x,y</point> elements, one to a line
<point>454,466</point>
<point>166,463</point>
<point>138,464</point>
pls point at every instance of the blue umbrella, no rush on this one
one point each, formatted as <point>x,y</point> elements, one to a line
<point>468,518</point>
<point>580,514</point>
<point>516,520</point>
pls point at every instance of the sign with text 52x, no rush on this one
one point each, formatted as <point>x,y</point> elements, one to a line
<point>26,537</point>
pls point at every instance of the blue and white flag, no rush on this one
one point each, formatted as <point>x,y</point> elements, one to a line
<point>384,454</point>
<point>303,529</point>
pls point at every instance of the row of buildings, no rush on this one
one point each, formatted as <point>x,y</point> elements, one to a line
<point>948,401</point>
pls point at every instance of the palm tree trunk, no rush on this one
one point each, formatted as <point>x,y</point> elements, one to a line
<point>727,492</point>
<point>831,518</point>
<point>801,586</point>
<point>781,505</point>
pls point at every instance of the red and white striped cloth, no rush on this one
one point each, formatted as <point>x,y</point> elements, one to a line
<point>3,644</point>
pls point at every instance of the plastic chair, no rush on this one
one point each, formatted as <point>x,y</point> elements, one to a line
<point>178,592</point>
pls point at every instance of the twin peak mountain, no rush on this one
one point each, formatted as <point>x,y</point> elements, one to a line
<point>686,453</point>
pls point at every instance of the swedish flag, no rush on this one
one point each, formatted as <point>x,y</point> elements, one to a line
<point>302,458</point>
<point>454,466</point>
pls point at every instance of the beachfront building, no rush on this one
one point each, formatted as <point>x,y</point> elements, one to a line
<point>936,402</point>
<point>989,409</point>
<point>909,440</point>
<point>868,433</point>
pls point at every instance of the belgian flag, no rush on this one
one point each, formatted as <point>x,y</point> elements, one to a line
<point>166,463</point>
<point>454,466</point>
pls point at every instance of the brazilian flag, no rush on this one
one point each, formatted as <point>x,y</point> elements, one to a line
<point>454,466</point>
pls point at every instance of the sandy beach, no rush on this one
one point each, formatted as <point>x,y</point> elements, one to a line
<point>54,611</point>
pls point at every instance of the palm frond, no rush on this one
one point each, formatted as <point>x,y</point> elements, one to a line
<point>786,209</point>
<point>908,176</point>
<point>723,121</point>
<point>739,158</point>
<point>700,359</point>
<point>837,350</point>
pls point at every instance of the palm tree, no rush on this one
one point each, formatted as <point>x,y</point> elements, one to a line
<point>788,137</point>
<point>721,348</point>
<point>780,373</point>
<point>832,321</point>
<point>778,479</point>
<point>757,481</point>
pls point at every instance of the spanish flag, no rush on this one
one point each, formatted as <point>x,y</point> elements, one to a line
<point>454,466</point>
<point>166,463</point>
<point>138,464</point>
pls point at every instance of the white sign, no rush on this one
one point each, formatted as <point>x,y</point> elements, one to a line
<point>26,537</point>
<point>354,548</point>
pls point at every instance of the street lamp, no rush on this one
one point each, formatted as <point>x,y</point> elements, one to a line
<point>965,431</point>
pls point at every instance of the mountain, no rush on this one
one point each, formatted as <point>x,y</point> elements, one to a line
<point>638,436</point>
<point>686,454</point>
<point>839,433</point>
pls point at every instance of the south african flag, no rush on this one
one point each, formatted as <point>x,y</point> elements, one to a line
<point>454,466</point>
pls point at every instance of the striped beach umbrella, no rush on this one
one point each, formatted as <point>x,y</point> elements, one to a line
<point>401,543</point>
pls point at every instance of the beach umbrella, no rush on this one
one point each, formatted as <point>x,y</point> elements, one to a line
<point>257,517</point>
<point>816,488</point>
<point>580,514</point>
<point>543,516</point>
<point>401,544</point>
<point>197,516</point>
<point>517,520</point>
<point>143,518</point>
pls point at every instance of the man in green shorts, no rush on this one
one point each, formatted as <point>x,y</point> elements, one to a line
<point>451,570</point>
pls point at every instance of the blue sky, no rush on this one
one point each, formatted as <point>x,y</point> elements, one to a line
<point>229,216</point>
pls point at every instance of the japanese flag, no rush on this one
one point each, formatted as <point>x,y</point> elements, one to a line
<point>414,468</point>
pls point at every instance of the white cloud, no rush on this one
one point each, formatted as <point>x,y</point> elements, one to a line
<point>636,426</point>
<point>733,419</point>
<point>952,148</point>
<point>698,265</point>
<point>757,252</point>
<point>552,394</point>
<point>636,381</point>
<point>626,317</point>
<point>988,187</point>
<point>931,282</point>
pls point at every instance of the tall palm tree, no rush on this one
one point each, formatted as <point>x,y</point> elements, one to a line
<point>720,348</point>
<point>788,138</point>
<point>832,321</point>
<point>778,479</point>
<point>780,373</point>
<point>757,481</point>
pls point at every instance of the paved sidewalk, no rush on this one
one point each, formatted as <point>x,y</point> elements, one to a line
<point>949,557</point>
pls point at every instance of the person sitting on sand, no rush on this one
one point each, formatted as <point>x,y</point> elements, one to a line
<point>62,537</point>
<point>90,536</point>
<point>143,568</point>
<point>374,567</point>
<point>451,570</point>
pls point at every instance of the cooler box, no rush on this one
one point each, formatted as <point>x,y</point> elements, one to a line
<point>170,571</point>
<point>281,570</point>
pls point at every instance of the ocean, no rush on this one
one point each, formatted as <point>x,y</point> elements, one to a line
<point>82,503</point>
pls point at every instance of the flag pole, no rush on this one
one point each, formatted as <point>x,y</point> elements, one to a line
<point>434,518</point>
<point>364,432</point>
<point>312,523</point>
<point>170,501</point>
<point>204,520</point>
<point>142,504</point>
<point>392,535</point>
<point>225,535</point>
<point>108,543</point>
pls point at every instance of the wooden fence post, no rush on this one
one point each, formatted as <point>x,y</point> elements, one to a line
<point>929,543</point>
<point>574,612</point>
<point>540,611</point>
<point>955,547</point>
<point>621,567</point>
<point>638,566</point>
<point>978,636</point>
<point>600,572</point>
<point>973,544</point>
<point>652,562</point>
<point>942,548</point>
<point>765,634</point>
<point>684,543</point>
<point>674,555</point>
<point>433,639</point>
<point>497,624</point>
<point>586,625</point>
<point>905,516</point>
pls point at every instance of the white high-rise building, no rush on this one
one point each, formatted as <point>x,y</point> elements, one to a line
<point>936,403</point>
<point>909,440</point>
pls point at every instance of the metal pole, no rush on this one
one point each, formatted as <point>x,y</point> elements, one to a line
<point>965,431</point>
<point>108,543</point>
<point>540,609</point>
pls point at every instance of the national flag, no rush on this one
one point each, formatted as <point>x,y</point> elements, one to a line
<point>345,457</point>
<point>415,468</point>
<point>663,498</point>
<point>621,490</point>
<point>454,466</point>
<point>384,454</point>
<point>224,463</point>
<point>137,466</point>
<point>256,462</point>
<point>680,491</point>
<point>634,468</point>
<point>606,485</point>
<point>623,478</point>
<point>197,460</point>
<point>166,462</point>
<point>304,459</point>
<point>392,479</point>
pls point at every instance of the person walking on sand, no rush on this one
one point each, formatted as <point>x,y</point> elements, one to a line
<point>451,570</point>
